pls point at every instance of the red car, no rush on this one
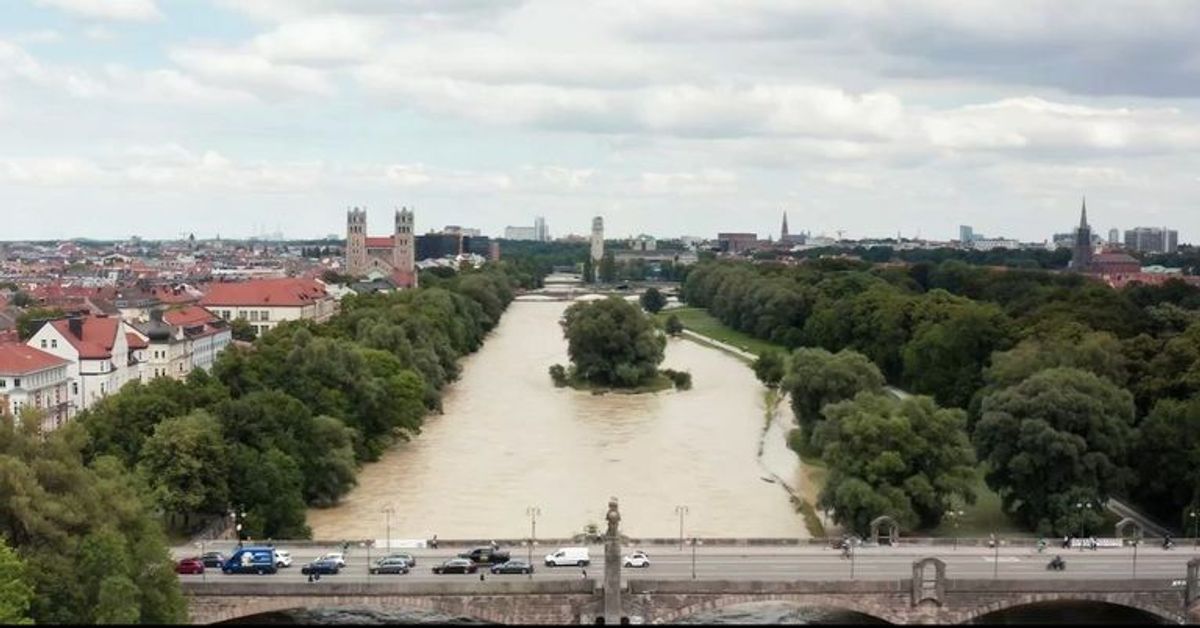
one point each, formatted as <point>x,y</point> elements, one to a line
<point>189,566</point>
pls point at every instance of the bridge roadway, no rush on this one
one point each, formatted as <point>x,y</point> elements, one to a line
<point>741,563</point>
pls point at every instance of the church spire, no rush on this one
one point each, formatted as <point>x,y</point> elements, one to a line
<point>1083,223</point>
<point>784,230</point>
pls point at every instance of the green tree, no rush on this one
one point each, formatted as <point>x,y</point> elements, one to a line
<point>242,330</point>
<point>817,377</point>
<point>946,357</point>
<point>673,326</point>
<point>16,594</point>
<point>116,601</point>
<point>32,319</point>
<point>612,342</point>
<point>608,268</point>
<point>1062,432</point>
<point>1167,458</point>
<point>652,300</point>
<point>185,462</point>
<point>770,368</point>
<point>909,459</point>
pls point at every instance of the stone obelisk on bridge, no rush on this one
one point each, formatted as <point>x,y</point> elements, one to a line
<point>612,565</point>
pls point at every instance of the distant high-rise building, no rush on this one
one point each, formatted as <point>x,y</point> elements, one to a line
<point>966,233</point>
<point>520,233</point>
<point>597,239</point>
<point>1152,240</point>
<point>1114,236</point>
<point>539,229</point>
<point>1081,252</point>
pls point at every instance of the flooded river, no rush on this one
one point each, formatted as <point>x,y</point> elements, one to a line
<point>509,439</point>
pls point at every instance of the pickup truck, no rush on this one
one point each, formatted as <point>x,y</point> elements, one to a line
<point>486,556</point>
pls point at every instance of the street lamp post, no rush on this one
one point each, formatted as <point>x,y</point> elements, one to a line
<point>995,556</point>
<point>954,515</point>
<point>695,542</point>
<point>388,511</point>
<point>1194,515</point>
<point>1080,506</point>
<point>850,544</point>
<point>533,512</point>
<point>1135,546</point>
<point>681,511</point>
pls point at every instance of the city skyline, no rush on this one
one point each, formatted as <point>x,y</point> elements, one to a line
<point>139,116</point>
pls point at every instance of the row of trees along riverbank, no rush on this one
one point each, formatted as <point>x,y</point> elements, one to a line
<point>1066,390</point>
<point>273,429</point>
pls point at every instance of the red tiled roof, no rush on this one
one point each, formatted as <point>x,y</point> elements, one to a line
<point>385,242</point>
<point>135,341</point>
<point>187,316</point>
<point>99,335</point>
<point>19,359</point>
<point>290,292</point>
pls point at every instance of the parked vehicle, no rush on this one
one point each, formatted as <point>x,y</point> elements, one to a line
<point>322,567</point>
<point>216,560</point>
<point>390,565</point>
<point>283,558</point>
<point>456,565</point>
<point>486,556</point>
<point>190,566</point>
<point>259,560</point>
<point>407,558</point>
<point>569,556</point>
<point>637,560</point>
<point>336,557</point>
<point>515,565</point>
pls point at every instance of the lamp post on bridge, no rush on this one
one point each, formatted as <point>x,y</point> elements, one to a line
<point>1136,542</point>
<point>534,512</point>
<point>1080,507</point>
<point>995,556</point>
<point>1194,515</point>
<point>695,542</point>
<point>388,511</point>
<point>954,517</point>
<point>681,510</point>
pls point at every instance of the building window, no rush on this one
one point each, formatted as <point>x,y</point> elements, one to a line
<point>43,343</point>
<point>254,315</point>
<point>53,343</point>
<point>242,315</point>
<point>75,388</point>
<point>265,315</point>
<point>3,383</point>
<point>16,382</point>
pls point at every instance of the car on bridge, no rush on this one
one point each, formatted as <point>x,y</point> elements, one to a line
<point>515,565</point>
<point>189,566</point>
<point>258,560</point>
<point>486,556</point>
<point>409,559</point>
<point>214,560</point>
<point>455,565</point>
<point>322,567</point>
<point>390,565</point>
<point>569,557</point>
<point>336,557</point>
<point>637,560</point>
<point>283,558</point>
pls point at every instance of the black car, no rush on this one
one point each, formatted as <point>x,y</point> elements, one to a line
<point>322,567</point>
<point>486,555</point>
<point>513,566</point>
<point>390,565</point>
<point>409,559</point>
<point>455,565</point>
<point>213,559</point>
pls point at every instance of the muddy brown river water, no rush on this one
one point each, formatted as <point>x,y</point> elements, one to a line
<point>508,439</point>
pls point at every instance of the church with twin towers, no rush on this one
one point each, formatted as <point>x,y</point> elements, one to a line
<point>392,256</point>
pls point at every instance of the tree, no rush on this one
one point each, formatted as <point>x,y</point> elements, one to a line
<point>608,268</point>
<point>16,594</point>
<point>612,342</point>
<point>1167,458</point>
<point>946,356</point>
<point>31,320</point>
<point>242,330</point>
<point>652,300</point>
<point>589,270</point>
<point>817,377</point>
<point>673,326</point>
<point>909,459</point>
<point>185,462</point>
<point>1058,433</point>
<point>21,299</point>
<point>769,368</point>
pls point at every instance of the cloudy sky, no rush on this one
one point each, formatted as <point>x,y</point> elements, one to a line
<point>673,117</point>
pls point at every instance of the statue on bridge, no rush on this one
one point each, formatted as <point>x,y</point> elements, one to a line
<point>613,517</point>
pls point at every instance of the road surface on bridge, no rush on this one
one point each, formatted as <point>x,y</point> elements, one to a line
<point>761,563</point>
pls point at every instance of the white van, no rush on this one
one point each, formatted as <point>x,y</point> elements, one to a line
<point>569,557</point>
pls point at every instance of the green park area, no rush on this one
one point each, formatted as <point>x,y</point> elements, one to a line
<point>700,321</point>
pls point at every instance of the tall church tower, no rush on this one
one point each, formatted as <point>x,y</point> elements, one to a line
<point>1081,255</point>
<point>356,242</point>
<point>783,233</point>
<point>404,245</point>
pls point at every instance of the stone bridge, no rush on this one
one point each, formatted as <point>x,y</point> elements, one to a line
<point>928,597</point>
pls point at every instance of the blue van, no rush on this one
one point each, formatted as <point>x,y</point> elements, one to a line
<point>257,560</point>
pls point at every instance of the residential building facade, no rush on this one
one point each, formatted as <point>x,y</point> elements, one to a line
<point>34,379</point>
<point>97,348</point>
<point>264,303</point>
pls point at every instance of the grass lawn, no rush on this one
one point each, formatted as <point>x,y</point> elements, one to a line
<point>658,384</point>
<point>981,519</point>
<point>700,321</point>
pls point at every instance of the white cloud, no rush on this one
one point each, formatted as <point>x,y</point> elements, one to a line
<point>321,40</point>
<point>43,36</point>
<point>247,71</point>
<point>118,10</point>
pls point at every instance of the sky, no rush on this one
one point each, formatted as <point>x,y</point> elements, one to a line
<point>671,117</point>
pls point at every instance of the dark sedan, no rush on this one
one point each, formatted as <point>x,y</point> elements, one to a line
<point>321,567</point>
<point>214,559</point>
<point>189,566</point>
<point>513,566</point>
<point>455,565</point>
<point>390,566</point>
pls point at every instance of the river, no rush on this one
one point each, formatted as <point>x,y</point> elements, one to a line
<point>508,439</point>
